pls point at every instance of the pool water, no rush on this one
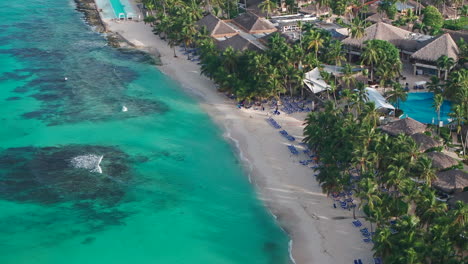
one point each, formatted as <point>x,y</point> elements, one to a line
<point>419,107</point>
<point>112,8</point>
<point>120,8</point>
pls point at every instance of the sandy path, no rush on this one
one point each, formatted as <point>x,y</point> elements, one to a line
<point>320,233</point>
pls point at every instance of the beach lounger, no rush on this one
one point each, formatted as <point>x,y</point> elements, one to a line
<point>293,150</point>
<point>357,223</point>
<point>367,240</point>
<point>377,261</point>
<point>356,261</point>
<point>359,261</point>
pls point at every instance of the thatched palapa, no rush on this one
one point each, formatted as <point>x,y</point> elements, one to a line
<point>406,126</point>
<point>463,196</point>
<point>452,181</point>
<point>238,43</point>
<point>443,45</point>
<point>216,27</point>
<point>441,161</point>
<point>382,31</point>
<point>253,24</point>
<point>425,142</point>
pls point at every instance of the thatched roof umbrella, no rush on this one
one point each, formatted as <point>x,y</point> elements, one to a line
<point>463,196</point>
<point>406,126</point>
<point>441,161</point>
<point>425,142</point>
<point>452,181</point>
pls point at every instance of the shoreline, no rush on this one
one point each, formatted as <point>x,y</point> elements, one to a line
<point>318,233</point>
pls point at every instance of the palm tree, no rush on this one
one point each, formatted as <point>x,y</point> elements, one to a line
<point>425,170</point>
<point>268,6</point>
<point>434,85</point>
<point>348,77</point>
<point>357,28</point>
<point>445,63</point>
<point>460,117</point>
<point>437,104</point>
<point>370,55</point>
<point>315,41</point>
<point>411,17</point>
<point>397,94</point>
<point>335,53</point>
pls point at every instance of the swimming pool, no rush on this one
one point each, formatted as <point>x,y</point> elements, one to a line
<point>419,107</point>
<point>112,8</point>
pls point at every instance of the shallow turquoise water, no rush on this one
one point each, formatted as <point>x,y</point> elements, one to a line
<point>419,107</point>
<point>171,191</point>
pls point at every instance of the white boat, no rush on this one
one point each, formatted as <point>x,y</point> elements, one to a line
<point>124,109</point>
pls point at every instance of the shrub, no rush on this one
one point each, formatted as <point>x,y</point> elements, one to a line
<point>456,24</point>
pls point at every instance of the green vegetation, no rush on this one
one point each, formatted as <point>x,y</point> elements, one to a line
<point>456,24</point>
<point>379,168</point>
<point>433,19</point>
<point>383,59</point>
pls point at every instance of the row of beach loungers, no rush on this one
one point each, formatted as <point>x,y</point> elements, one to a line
<point>376,261</point>
<point>287,136</point>
<point>344,198</point>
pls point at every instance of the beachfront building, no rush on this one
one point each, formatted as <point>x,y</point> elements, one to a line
<point>425,142</point>
<point>421,51</point>
<point>216,27</point>
<point>451,181</point>
<point>238,43</point>
<point>407,126</point>
<point>406,41</point>
<point>425,59</point>
<point>254,24</point>
<point>441,161</point>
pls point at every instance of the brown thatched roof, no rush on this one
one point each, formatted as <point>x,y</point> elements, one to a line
<point>382,31</point>
<point>378,17</point>
<point>443,45</point>
<point>441,161</point>
<point>238,43</point>
<point>216,26</point>
<point>451,181</point>
<point>425,142</point>
<point>406,126</point>
<point>463,196</point>
<point>254,24</point>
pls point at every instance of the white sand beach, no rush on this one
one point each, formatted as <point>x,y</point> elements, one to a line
<point>320,233</point>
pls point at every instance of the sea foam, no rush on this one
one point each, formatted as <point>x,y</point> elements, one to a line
<point>90,162</point>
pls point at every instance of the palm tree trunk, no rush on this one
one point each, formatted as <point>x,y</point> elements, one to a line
<point>173,48</point>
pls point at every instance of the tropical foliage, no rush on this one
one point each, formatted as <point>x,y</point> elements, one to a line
<point>412,225</point>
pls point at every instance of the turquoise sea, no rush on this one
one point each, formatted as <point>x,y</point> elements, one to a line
<point>171,189</point>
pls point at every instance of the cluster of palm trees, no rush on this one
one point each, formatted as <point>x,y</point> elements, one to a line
<point>279,69</point>
<point>454,88</point>
<point>383,59</point>
<point>393,181</point>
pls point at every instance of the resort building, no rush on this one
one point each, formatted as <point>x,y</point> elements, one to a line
<point>441,161</point>
<point>216,27</point>
<point>238,43</point>
<point>253,24</point>
<point>421,51</point>
<point>407,126</point>
<point>451,181</point>
<point>406,41</point>
<point>425,142</point>
<point>425,59</point>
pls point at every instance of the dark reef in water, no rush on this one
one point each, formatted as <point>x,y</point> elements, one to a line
<point>46,175</point>
<point>87,202</point>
